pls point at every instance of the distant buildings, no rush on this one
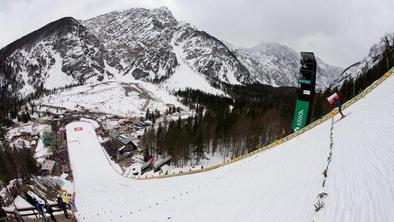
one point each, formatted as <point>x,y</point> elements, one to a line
<point>120,147</point>
<point>47,167</point>
<point>121,140</point>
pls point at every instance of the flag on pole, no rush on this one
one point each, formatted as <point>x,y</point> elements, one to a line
<point>331,99</point>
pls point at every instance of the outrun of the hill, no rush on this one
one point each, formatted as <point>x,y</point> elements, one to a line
<point>280,184</point>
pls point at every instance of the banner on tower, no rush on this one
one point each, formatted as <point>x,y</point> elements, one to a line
<point>300,115</point>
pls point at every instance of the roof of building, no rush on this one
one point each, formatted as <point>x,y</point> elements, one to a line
<point>48,165</point>
<point>121,138</point>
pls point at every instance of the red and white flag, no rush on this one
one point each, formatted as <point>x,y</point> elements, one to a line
<point>331,99</point>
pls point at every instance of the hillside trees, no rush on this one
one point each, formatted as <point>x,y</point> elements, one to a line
<point>352,87</point>
<point>231,127</point>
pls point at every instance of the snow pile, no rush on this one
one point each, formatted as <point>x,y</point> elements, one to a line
<point>280,184</point>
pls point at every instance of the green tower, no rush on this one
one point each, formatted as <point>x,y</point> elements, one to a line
<point>305,92</point>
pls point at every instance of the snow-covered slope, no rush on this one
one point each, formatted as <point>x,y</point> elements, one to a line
<point>374,56</point>
<point>281,184</point>
<point>278,65</point>
<point>114,97</point>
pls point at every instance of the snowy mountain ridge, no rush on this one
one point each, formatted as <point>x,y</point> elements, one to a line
<point>141,44</point>
<point>278,65</point>
<point>59,54</point>
<point>374,56</point>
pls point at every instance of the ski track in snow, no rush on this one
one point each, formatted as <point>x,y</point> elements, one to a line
<point>279,184</point>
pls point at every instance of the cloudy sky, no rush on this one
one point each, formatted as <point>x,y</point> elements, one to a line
<point>339,31</point>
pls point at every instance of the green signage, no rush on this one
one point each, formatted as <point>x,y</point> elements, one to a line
<point>300,115</point>
<point>304,81</point>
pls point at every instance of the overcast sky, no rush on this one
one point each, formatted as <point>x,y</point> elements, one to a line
<point>339,31</point>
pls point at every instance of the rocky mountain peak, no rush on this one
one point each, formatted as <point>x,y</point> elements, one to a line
<point>56,29</point>
<point>140,44</point>
<point>278,65</point>
<point>376,54</point>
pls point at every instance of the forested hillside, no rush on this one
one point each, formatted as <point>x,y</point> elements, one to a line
<point>352,86</point>
<point>256,115</point>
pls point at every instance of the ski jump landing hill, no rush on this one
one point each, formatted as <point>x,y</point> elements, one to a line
<point>330,171</point>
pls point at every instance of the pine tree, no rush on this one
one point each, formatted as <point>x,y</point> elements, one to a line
<point>199,146</point>
<point>147,114</point>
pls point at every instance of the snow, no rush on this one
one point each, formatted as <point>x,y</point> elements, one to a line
<point>58,111</point>
<point>212,159</point>
<point>278,65</point>
<point>280,184</point>
<point>28,128</point>
<point>33,129</point>
<point>27,88</point>
<point>121,98</point>
<point>65,184</point>
<point>42,151</point>
<point>21,203</point>
<point>56,78</point>
<point>93,122</point>
<point>184,77</point>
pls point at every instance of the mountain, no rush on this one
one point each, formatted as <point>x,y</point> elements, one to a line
<point>147,45</point>
<point>60,53</point>
<point>377,53</point>
<point>278,65</point>
<point>135,44</point>
<point>152,44</point>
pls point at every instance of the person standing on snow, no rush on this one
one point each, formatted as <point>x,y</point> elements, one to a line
<point>335,101</point>
<point>71,200</point>
<point>40,209</point>
<point>338,103</point>
<point>62,205</point>
<point>3,214</point>
<point>66,200</point>
<point>18,216</point>
<point>49,210</point>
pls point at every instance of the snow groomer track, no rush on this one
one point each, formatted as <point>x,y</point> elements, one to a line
<point>353,179</point>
